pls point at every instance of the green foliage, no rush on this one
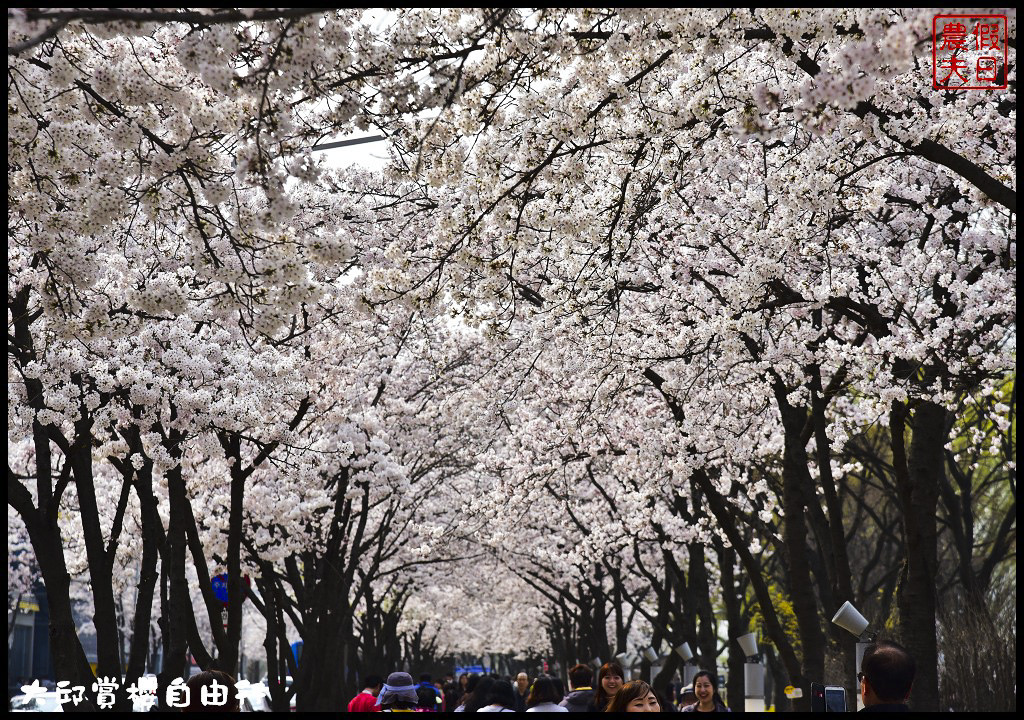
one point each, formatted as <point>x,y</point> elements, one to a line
<point>783,609</point>
<point>982,468</point>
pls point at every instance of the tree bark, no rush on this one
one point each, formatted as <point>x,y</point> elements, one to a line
<point>842,589</point>
<point>919,476</point>
<point>801,586</point>
<point>734,695</point>
<point>178,601</point>
<point>707,640</point>
<point>108,656</point>
<point>772,624</point>
<point>152,538</point>
<point>66,652</point>
<point>69,660</point>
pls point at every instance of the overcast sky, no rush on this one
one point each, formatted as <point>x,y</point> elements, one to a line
<point>371,155</point>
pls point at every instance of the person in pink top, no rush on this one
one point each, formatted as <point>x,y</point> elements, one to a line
<point>366,701</point>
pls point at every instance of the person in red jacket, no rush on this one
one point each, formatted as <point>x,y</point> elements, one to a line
<point>366,701</point>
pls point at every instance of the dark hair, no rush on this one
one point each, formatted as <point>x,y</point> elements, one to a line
<point>463,675</point>
<point>559,685</point>
<point>580,676</point>
<point>601,698</point>
<point>543,690</point>
<point>425,677</point>
<point>663,701</point>
<point>427,698</point>
<point>889,670</point>
<point>372,681</point>
<point>502,694</point>
<point>475,698</point>
<point>628,693</point>
<point>207,678</point>
<point>451,695</point>
<point>715,697</point>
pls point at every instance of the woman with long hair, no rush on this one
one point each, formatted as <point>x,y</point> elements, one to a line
<point>501,698</point>
<point>609,679</point>
<point>478,697</point>
<point>544,696</point>
<point>634,696</point>
<point>468,688</point>
<point>705,687</point>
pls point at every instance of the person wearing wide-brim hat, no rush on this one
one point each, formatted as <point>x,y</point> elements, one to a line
<point>398,694</point>
<point>687,696</point>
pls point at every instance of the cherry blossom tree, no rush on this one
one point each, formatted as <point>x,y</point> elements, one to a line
<point>698,252</point>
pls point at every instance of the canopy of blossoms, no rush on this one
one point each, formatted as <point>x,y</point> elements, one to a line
<point>629,286</point>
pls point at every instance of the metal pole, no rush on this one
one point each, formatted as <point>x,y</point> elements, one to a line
<point>753,687</point>
<point>688,672</point>
<point>861,647</point>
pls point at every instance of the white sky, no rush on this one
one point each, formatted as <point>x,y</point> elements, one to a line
<point>371,155</point>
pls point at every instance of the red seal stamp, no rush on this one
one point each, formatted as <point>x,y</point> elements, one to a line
<point>969,52</point>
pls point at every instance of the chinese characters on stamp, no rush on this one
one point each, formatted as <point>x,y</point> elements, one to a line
<point>969,52</point>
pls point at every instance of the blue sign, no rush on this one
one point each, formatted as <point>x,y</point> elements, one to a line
<point>478,669</point>
<point>220,587</point>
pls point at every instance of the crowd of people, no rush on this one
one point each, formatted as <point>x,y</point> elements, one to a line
<point>885,683</point>
<point>611,692</point>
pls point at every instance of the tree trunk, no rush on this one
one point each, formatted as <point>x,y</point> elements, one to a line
<point>734,695</point>
<point>178,601</point>
<point>663,678</point>
<point>842,589</point>
<point>801,586</point>
<point>322,664</point>
<point>108,651</point>
<point>772,624</point>
<point>151,536</point>
<point>66,652</point>
<point>707,638</point>
<point>69,661</point>
<point>918,477</point>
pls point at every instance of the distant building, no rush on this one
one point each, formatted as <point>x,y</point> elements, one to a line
<point>28,649</point>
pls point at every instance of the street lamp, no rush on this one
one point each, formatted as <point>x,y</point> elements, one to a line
<point>651,656</point>
<point>753,674</point>
<point>689,668</point>
<point>850,619</point>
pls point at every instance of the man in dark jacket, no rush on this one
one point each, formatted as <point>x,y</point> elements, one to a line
<point>886,678</point>
<point>581,694</point>
<point>522,688</point>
